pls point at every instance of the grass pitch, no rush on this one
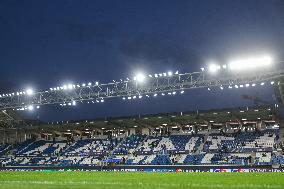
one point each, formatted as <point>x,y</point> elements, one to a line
<point>135,180</point>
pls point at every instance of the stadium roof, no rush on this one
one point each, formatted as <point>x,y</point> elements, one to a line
<point>199,117</point>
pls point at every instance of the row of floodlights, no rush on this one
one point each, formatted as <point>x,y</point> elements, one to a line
<point>148,96</point>
<point>29,107</point>
<point>141,77</point>
<point>242,86</point>
<point>138,77</point>
<point>28,92</point>
<point>73,103</point>
<point>246,64</point>
<point>72,86</point>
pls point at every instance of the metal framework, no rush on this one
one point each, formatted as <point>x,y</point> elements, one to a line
<point>158,83</point>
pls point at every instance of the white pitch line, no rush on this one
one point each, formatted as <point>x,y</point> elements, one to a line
<point>194,185</point>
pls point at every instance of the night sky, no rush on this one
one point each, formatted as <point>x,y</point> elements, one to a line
<point>44,44</point>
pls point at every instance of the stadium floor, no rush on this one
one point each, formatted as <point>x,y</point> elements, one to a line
<point>103,180</point>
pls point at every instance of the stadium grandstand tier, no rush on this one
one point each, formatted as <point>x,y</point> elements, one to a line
<point>182,140</point>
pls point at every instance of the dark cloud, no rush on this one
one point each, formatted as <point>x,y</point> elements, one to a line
<point>158,48</point>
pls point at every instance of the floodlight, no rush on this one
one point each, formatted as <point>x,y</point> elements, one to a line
<point>29,91</point>
<point>247,85</point>
<point>37,107</point>
<point>174,93</point>
<point>236,86</point>
<point>241,86</point>
<point>170,73</point>
<point>181,92</point>
<point>224,66</point>
<point>176,72</point>
<point>30,107</point>
<point>163,94</point>
<point>251,63</point>
<point>83,84</point>
<point>65,87</point>
<point>164,74</point>
<point>221,87</point>
<point>70,86</point>
<point>123,98</point>
<point>129,98</point>
<point>156,75</point>
<point>96,83</point>
<point>202,69</point>
<point>134,97</point>
<point>89,84</point>
<point>155,95</point>
<point>272,82</point>
<point>74,103</point>
<point>139,77</point>
<point>140,96</point>
<point>262,83</point>
<point>208,89</point>
<point>253,85</point>
<point>213,68</point>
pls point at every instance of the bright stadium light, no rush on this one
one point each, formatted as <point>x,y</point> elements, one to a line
<point>272,82</point>
<point>30,107</point>
<point>70,86</point>
<point>29,92</point>
<point>170,73</point>
<point>251,63</point>
<point>139,77</point>
<point>247,85</point>
<point>74,103</point>
<point>213,68</point>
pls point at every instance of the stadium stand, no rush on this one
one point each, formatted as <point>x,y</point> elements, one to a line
<point>258,145</point>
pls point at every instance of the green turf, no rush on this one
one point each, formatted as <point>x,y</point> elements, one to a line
<point>135,180</point>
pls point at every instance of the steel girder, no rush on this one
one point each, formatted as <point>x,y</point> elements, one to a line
<point>151,85</point>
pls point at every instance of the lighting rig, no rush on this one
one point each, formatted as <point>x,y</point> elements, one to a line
<point>242,73</point>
